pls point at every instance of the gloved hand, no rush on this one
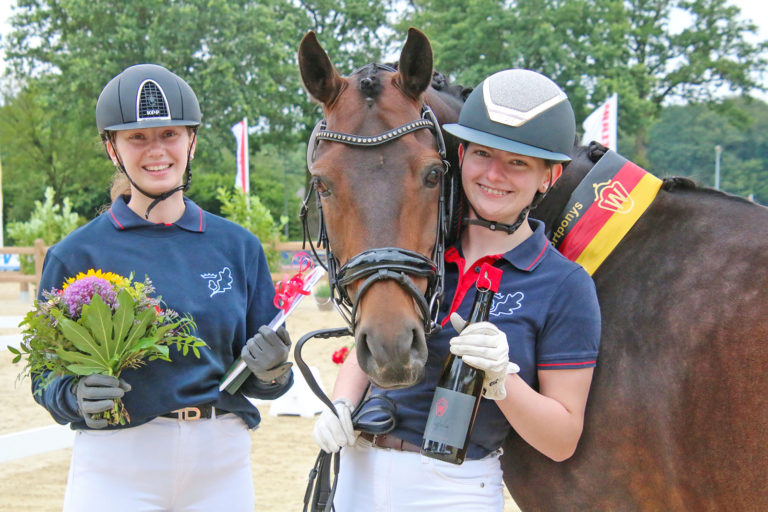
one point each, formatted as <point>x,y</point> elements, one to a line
<point>97,393</point>
<point>483,346</point>
<point>332,433</point>
<point>265,353</point>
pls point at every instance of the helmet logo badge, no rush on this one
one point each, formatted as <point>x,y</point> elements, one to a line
<point>611,195</point>
<point>151,102</point>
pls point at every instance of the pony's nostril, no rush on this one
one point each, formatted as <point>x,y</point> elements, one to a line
<point>361,347</point>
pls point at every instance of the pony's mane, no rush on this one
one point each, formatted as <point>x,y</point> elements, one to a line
<point>440,82</point>
<point>594,151</point>
<point>679,183</point>
<point>368,79</point>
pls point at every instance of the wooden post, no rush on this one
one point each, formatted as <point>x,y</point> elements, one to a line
<point>40,251</point>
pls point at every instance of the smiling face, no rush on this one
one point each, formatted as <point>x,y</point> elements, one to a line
<point>154,158</point>
<point>499,184</point>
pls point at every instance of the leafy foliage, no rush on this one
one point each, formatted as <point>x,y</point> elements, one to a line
<point>249,212</point>
<point>238,55</point>
<point>50,222</point>
<point>240,58</point>
<point>100,323</point>
<point>45,143</point>
<point>683,143</point>
<point>593,48</point>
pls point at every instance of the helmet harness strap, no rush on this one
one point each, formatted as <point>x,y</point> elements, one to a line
<point>165,195</point>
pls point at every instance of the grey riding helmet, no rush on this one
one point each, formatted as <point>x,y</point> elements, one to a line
<point>146,96</point>
<point>520,111</point>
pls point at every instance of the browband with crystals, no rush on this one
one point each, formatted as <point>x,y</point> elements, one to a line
<point>362,140</point>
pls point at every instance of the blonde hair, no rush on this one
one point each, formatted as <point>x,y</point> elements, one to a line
<point>120,185</point>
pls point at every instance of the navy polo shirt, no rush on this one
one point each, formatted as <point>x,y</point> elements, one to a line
<point>202,265</point>
<point>546,305</point>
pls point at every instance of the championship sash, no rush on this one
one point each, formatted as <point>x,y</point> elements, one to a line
<point>602,209</point>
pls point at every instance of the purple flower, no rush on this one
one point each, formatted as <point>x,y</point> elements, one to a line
<point>82,290</point>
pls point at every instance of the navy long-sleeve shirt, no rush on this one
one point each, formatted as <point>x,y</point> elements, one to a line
<point>201,265</point>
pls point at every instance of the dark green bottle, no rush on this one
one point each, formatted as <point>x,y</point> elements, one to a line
<point>460,387</point>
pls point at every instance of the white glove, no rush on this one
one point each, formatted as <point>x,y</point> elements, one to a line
<point>483,346</point>
<point>332,433</point>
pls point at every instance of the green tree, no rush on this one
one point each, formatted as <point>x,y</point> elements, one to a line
<point>49,221</point>
<point>250,212</point>
<point>238,55</point>
<point>44,144</point>
<point>683,143</point>
<point>593,48</point>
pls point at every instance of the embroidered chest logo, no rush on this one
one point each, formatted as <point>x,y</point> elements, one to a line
<point>219,282</point>
<point>611,195</point>
<point>506,303</point>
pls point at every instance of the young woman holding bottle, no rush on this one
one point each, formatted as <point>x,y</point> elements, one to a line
<point>537,350</point>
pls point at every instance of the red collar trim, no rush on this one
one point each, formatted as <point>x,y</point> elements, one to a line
<point>115,218</point>
<point>466,280</point>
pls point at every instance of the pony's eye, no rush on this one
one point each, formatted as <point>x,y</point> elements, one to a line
<point>432,178</point>
<point>321,187</point>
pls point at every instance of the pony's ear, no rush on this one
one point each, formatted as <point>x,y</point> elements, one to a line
<point>415,66</point>
<point>320,78</point>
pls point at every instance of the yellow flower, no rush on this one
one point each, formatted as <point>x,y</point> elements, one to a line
<point>117,280</point>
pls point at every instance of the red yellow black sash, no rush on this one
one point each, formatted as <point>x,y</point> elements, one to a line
<point>602,209</point>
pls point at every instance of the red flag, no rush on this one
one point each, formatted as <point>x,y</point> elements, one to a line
<point>240,131</point>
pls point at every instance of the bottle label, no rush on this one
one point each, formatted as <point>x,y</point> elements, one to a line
<point>449,417</point>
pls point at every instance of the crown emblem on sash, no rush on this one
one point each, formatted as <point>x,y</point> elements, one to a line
<point>611,195</point>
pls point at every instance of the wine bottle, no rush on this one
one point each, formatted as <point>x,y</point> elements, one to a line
<point>460,387</point>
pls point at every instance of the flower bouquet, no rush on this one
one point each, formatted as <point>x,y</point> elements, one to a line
<point>100,322</point>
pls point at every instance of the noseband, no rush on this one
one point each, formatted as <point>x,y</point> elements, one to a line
<point>386,263</point>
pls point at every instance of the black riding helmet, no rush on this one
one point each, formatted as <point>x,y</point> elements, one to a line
<point>520,111</point>
<point>147,96</point>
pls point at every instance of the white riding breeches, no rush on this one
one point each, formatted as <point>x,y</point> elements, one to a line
<point>386,480</point>
<point>164,465</point>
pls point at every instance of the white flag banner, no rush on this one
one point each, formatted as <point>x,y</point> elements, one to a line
<point>602,124</point>
<point>240,131</point>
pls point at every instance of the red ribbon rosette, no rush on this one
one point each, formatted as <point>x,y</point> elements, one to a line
<point>288,289</point>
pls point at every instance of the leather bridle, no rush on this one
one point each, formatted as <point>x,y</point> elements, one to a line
<point>385,263</point>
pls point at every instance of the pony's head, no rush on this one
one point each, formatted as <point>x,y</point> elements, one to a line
<point>376,166</point>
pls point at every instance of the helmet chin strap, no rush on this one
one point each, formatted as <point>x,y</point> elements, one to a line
<point>165,195</point>
<point>497,226</point>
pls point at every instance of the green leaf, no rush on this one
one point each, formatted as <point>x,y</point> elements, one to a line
<point>122,320</point>
<point>72,356</point>
<point>160,332</point>
<point>98,318</point>
<point>145,343</point>
<point>82,340</point>
<point>84,369</point>
<point>136,333</point>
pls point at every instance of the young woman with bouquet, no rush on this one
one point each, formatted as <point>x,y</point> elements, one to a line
<point>185,445</point>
